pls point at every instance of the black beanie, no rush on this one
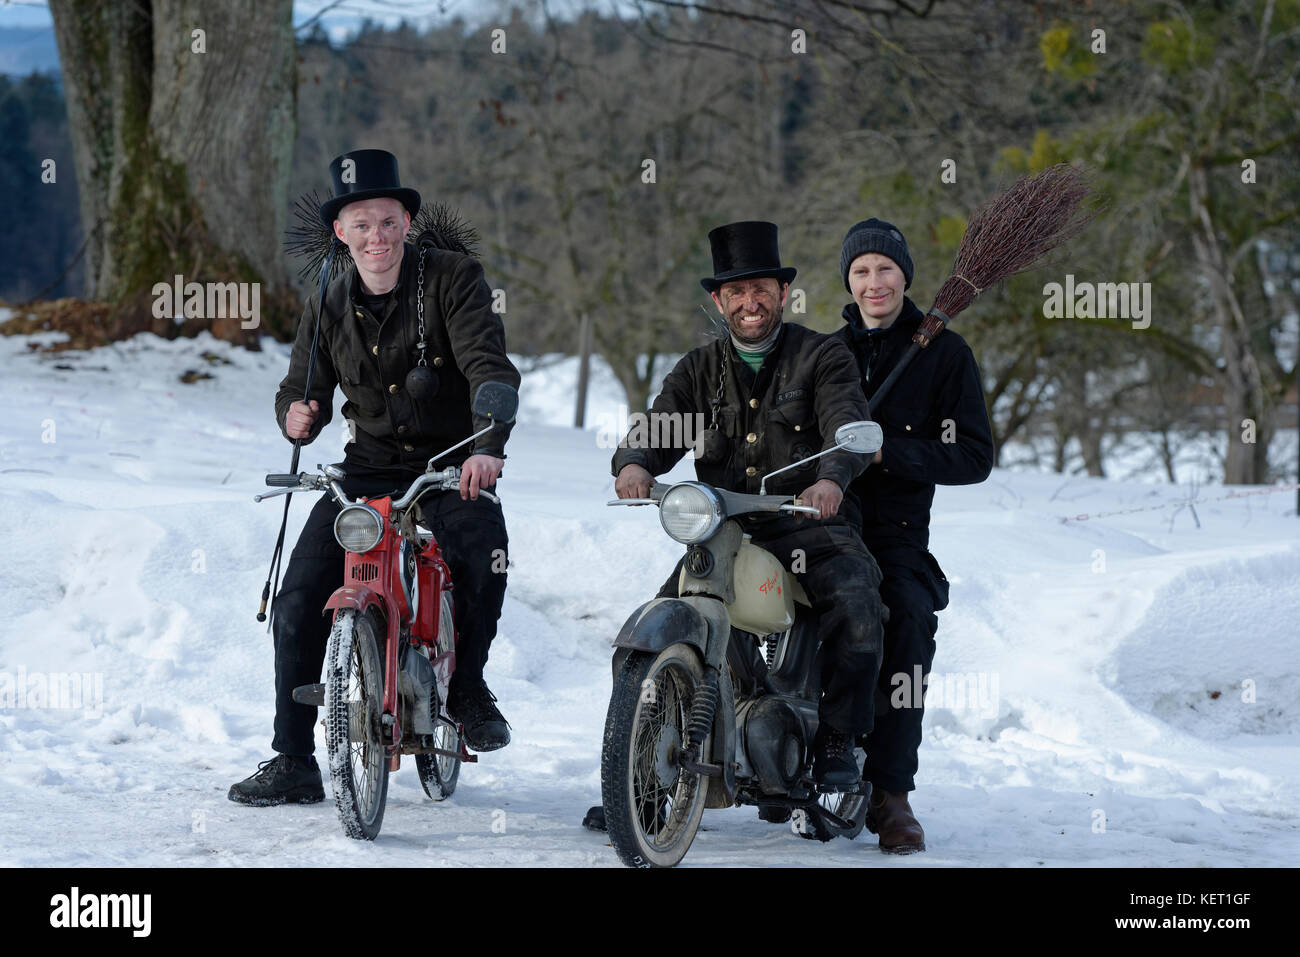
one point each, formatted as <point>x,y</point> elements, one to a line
<point>875,236</point>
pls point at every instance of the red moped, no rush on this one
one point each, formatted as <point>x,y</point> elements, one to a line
<point>392,647</point>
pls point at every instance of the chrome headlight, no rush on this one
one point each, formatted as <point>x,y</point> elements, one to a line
<point>691,512</point>
<point>358,528</point>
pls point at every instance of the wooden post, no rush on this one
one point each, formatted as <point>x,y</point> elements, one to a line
<point>584,369</point>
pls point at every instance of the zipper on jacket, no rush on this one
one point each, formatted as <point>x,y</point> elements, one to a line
<point>872,357</point>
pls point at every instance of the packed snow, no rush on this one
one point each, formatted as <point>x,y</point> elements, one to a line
<point>1118,690</point>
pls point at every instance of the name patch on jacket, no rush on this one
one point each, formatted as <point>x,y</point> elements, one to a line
<point>791,395</point>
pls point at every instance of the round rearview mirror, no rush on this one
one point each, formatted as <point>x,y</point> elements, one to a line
<point>496,400</point>
<point>864,437</point>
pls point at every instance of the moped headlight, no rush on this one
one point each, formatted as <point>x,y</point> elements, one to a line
<point>358,528</point>
<point>690,512</point>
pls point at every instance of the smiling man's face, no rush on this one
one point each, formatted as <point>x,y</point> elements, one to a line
<point>752,307</point>
<point>374,230</point>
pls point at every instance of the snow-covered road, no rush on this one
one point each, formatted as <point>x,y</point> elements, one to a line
<point>1121,691</point>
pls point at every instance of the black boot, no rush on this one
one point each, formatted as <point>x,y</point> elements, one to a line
<point>773,814</point>
<point>285,779</point>
<point>474,707</point>
<point>834,765</point>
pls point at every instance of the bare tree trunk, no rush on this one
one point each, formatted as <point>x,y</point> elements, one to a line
<point>1167,455</point>
<point>1062,440</point>
<point>1244,394</point>
<point>182,140</point>
<point>1090,444</point>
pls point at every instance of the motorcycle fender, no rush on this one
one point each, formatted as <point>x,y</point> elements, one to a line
<point>659,623</point>
<point>702,623</point>
<point>360,598</point>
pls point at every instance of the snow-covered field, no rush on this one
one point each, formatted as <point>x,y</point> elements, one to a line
<point>1118,691</point>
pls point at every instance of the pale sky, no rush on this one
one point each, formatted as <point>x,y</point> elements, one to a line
<point>344,17</point>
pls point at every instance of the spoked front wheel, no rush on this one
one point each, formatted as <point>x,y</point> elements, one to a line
<point>652,806</point>
<point>354,732</point>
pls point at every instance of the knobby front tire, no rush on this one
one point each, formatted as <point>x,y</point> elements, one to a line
<point>652,806</point>
<point>354,700</point>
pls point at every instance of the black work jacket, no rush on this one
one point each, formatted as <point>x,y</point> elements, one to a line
<point>805,389</point>
<point>935,423</point>
<point>368,357</point>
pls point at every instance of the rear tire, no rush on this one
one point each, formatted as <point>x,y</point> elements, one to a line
<point>439,774</point>
<point>652,806</point>
<point>851,807</point>
<point>354,700</point>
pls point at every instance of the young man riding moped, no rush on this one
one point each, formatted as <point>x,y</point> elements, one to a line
<point>408,335</point>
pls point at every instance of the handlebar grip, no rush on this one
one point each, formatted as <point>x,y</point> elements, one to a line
<point>282,479</point>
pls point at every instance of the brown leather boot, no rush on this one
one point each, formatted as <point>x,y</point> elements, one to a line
<point>890,816</point>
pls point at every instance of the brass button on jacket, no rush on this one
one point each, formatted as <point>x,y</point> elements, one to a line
<point>408,447</point>
<point>437,360</point>
<point>374,350</point>
<point>393,389</point>
<point>818,381</point>
<point>751,471</point>
<point>753,403</point>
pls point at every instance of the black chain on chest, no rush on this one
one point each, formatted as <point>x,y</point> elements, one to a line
<point>421,381</point>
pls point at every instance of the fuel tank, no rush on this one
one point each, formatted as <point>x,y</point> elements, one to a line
<point>765,592</point>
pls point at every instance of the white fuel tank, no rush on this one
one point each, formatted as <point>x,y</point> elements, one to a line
<point>765,592</point>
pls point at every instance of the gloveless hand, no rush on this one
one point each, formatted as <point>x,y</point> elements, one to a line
<point>300,418</point>
<point>633,482</point>
<point>479,471</point>
<point>824,495</point>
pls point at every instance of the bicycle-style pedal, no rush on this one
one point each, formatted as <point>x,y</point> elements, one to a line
<point>310,695</point>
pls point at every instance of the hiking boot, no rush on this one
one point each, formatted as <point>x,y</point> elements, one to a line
<point>474,707</point>
<point>890,816</point>
<point>595,819</point>
<point>285,779</point>
<point>834,766</point>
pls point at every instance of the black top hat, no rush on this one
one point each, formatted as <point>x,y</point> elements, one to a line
<point>745,250</point>
<point>375,176</point>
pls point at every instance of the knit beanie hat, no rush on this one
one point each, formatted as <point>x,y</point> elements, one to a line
<point>875,236</point>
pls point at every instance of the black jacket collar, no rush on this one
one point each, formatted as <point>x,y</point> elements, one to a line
<point>908,319</point>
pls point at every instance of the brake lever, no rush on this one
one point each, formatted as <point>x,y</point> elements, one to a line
<point>280,491</point>
<point>634,501</point>
<point>452,484</point>
<point>805,509</point>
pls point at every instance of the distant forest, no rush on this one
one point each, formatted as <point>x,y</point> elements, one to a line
<point>43,229</point>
